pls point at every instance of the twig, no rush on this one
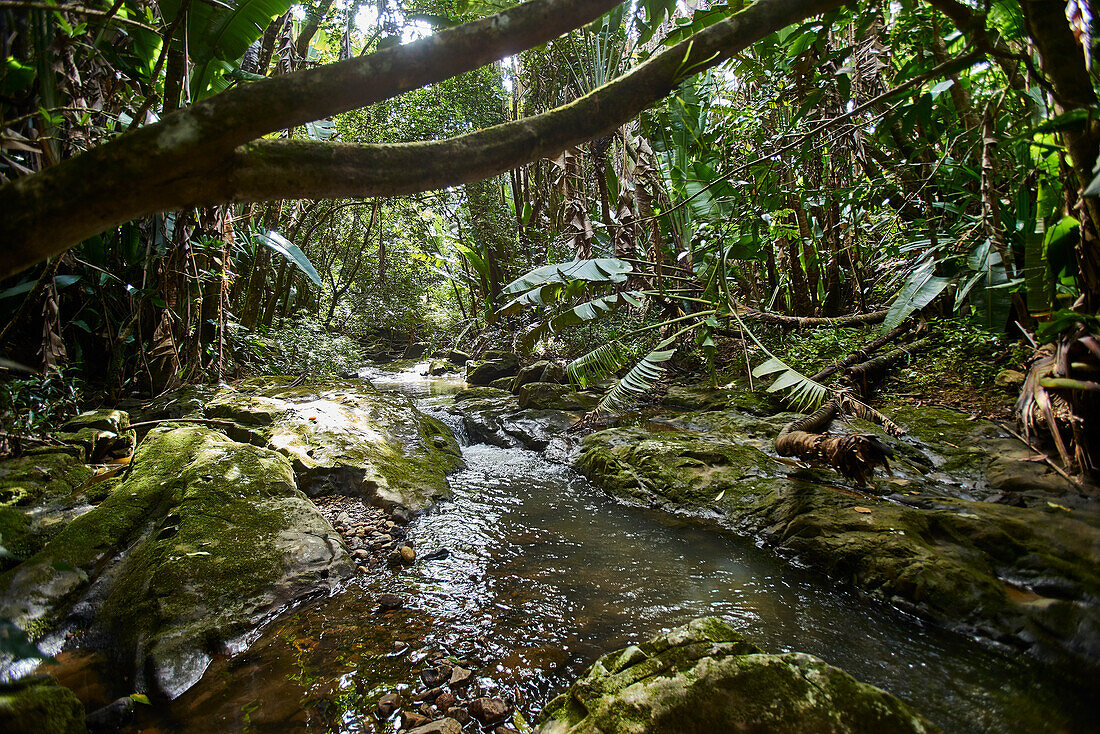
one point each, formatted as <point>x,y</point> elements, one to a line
<point>204,421</point>
<point>1075,482</point>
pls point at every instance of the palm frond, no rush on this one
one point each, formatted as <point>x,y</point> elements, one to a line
<point>599,364</point>
<point>639,381</point>
<point>802,393</point>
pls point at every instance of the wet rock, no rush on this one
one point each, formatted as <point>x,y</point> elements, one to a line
<point>388,602</point>
<point>437,676</point>
<point>38,704</point>
<point>488,710</point>
<point>416,350</point>
<point>394,559</point>
<point>459,714</point>
<point>205,540</point>
<point>345,439</point>
<point>481,393</point>
<point>455,356</point>
<point>445,701</point>
<point>440,726</point>
<point>436,555</point>
<point>111,717</point>
<point>408,555</point>
<point>705,677</point>
<point>505,730</point>
<point>504,383</point>
<point>460,677</point>
<point>412,719</point>
<point>492,366</point>
<point>429,695</point>
<point>550,396</point>
<point>440,367</point>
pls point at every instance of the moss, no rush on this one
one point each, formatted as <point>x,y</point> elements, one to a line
<point>480,393</point>
<point>704,677</point>
<point>29,479</point>
<point>552,396</point>
<point>40,705</point>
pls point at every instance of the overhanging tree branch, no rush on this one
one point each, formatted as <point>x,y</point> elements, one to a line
<point>49,211</point>
<point>203,155</point>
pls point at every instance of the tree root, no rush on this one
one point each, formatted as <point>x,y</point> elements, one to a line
<point>804,322</point>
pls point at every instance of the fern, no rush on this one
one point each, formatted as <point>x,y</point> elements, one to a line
<point>639,381</point>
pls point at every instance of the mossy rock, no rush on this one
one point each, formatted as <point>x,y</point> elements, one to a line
<point>38,704</point>
<point>493,365</point>
<point>103,434</point>
<point>232,543</point>
<point>704,677</point>
<point>736,395</point>
<point>504,383</point>
<point>552,396</point>
<point>347,439</point>
<point>38,496</point>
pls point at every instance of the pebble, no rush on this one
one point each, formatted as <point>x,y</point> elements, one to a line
<point>459,714</point>
<point>445,701</point>
<point>371,536</point>
<point>460,677</point>
<point>435,677</point>
<point>411,719</point>
<point>441,726</point>
<point>387,602</point>
<point>408,555</point>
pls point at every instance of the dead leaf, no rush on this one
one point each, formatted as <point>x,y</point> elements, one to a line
<point>864,510</point>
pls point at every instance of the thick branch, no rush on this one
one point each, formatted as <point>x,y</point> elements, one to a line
<point>802,322</point>
<point>158,165</point>
<point>284,169</point>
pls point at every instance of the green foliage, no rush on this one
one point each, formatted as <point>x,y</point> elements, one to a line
<point>38,404</point>
<point>296,347</point>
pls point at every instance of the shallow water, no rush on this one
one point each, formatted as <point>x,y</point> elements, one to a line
<point>545,573</point>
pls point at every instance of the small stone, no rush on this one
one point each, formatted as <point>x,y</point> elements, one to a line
<point>363,569</point>
<point>394,559</point>
<point>387,705</point>
<point>442,726</point>
<point>361,554</point>
<point>488,710</point>
<point>111,717</point>
<point>459,714</point>
<point>505,730</point>
<point>460,677</point>
<point>435,677</point>
<point>445,701</point>
<point>388,602</point>
<point>430,695</point>
<point>408,555</point>
<point>411,719</point>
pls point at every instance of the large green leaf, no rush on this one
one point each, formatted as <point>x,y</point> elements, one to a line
<point>217,37</point>
<point>290,251</point>
<point>920,289</point>
<point>599,364</point>
<point>604,269</point>
<point>588,311</point>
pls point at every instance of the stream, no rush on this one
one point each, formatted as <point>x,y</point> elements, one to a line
<point>543,573</point>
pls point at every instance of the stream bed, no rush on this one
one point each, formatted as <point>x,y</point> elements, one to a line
<point>542,573</point>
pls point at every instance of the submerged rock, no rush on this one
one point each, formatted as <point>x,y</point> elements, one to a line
<point>704,677</point>
<point>1027,576</point>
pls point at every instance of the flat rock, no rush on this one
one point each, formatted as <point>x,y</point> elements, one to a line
<point>439,726</point>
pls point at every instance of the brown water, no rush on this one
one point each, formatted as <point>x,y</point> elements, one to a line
<point>545,573</point>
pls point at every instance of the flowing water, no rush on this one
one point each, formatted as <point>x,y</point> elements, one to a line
<point>544,573</point>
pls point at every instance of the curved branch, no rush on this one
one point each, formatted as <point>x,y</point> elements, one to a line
<point>173,160</point>
<point>190,166</point>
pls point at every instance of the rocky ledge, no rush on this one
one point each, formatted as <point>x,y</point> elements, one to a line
<point>704,677</point>
<point>969,529</point>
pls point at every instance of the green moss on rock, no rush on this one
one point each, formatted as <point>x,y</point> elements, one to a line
<point>704,677</point>
<point>38,704</point>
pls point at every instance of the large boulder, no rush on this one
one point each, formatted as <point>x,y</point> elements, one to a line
<point>38,704</point>
<point>205,541</point>
<point>540,371</point>
<point>704,677</point>
<point>1027,576</point>
<point>345,439</point>
<point>493,366</point>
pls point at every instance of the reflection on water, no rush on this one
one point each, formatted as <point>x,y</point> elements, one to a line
<point>544,573</point>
